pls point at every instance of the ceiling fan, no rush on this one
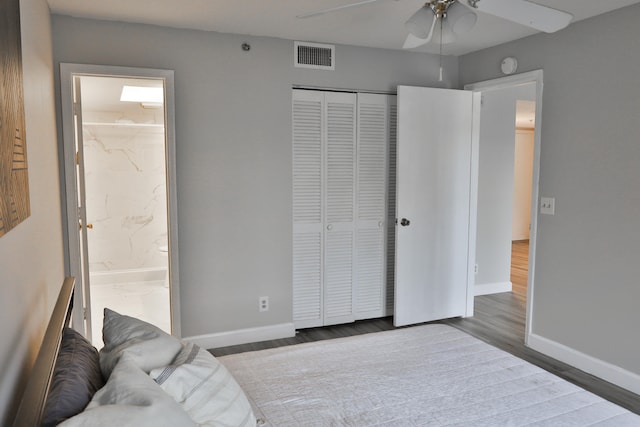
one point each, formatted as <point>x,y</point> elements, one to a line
<point>455,17</point>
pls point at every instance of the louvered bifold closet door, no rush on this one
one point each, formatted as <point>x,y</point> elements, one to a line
<point>340,165</point>
<point>308,147</point>
<point>371,205</point>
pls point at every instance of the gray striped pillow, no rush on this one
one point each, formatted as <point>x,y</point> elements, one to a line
<point>205,389</point>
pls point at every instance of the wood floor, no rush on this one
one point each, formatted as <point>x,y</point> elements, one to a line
<point>498,319</point>
<point>520,268</point>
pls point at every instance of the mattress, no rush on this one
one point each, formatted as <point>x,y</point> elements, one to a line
<point>430,375</point>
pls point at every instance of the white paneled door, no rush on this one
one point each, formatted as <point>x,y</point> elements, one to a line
<point>436,197</point>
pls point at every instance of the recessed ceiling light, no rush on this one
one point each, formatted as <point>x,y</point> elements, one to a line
<point>142,94</point>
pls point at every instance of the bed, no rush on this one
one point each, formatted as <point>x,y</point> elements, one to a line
<point>430,375</point>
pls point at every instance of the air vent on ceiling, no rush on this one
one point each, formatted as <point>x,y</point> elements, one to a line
<point>315,55</point>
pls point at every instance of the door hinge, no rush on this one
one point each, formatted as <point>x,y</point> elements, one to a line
<point>77,157</point>
<point>84,313</point>
<point>76,108</point>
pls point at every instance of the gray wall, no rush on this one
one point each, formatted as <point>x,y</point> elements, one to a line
<point>586,279</point>
<point>233,133</point>
<point>31,255</point>
<point>495,186</point>
<point>496,182</point>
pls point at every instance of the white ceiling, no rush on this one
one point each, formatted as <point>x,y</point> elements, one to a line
<point>379,24</point>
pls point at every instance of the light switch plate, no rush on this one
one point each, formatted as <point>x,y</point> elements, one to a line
<point>548,205</point>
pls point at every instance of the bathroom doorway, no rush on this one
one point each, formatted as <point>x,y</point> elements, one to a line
<point>122,191</point>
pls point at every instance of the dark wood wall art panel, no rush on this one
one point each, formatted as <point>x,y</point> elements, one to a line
<point>14,184</point>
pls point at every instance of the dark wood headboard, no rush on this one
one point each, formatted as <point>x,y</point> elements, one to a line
<point>35,395</point>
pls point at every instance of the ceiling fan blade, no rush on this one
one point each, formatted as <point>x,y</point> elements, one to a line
<point>334,9</point>
<point>523,12</point>
<point>413,41</point>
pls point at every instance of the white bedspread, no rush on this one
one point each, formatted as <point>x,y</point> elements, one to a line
<point>432,375</point>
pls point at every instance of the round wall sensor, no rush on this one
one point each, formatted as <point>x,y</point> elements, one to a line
<point>509,65</point>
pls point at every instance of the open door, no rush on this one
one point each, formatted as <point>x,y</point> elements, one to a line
<point>81,321</point>
<point>436,203</point>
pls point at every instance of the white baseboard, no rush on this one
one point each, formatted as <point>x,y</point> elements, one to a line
<point>601,369</point>
<point>243,336</point>
<point>124,276</point>
<point>492,288</point>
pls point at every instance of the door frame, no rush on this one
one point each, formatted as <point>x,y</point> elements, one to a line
<point>536,77</point>
<point>67,72</point>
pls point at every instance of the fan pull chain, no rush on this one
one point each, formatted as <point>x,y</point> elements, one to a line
<point>440,56</point>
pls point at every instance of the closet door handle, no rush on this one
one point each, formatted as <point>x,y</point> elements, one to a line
<point>404,222</point>
<point>329,227</point>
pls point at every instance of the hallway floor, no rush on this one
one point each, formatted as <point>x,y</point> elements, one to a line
<point>520,267</point>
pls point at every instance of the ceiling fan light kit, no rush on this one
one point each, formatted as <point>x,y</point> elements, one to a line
<point>462,19</point>
<point>444,34</point>
<point>420,23</point>
<point>450,21</point>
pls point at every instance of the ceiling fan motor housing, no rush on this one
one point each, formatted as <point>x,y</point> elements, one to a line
<point>440,7</point>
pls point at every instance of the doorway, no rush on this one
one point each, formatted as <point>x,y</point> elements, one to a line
<point>496,210</point>
<point>120,195</point>
<point>522,185</point>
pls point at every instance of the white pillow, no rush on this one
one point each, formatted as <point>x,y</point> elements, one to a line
<point>205,389</point>
<point>130,398</point>
<point>148,346</point>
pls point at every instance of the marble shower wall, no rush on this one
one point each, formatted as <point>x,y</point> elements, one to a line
<point>126,198</point>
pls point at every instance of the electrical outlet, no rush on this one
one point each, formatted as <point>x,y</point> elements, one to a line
<point>263,304</point>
